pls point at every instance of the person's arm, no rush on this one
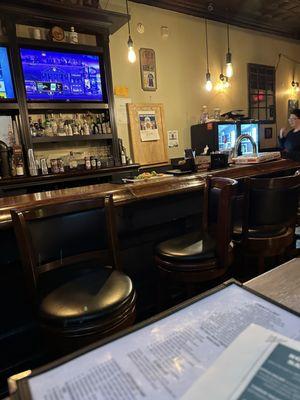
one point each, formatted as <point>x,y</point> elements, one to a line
<point>282,137</point>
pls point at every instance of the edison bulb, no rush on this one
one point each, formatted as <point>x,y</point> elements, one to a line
<point>229,70</point>
<point>131,55</point>
<point>208,85</point>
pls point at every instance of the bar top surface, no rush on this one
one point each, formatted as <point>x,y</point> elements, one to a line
<point>281,284</point>
<point>127,193</point>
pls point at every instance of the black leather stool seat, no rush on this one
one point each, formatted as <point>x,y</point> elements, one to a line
<point>89,299</point>
<point>258,232</point>
<point>191,247</point>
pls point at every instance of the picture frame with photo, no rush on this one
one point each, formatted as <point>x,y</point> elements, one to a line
<point>148,69</point>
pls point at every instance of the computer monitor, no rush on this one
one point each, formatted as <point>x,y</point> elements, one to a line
<point>7,91</point>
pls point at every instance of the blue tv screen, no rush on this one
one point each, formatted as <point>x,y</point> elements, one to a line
<point>61,76</point>
<point>6,83</point>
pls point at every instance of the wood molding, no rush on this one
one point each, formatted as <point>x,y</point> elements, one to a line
<point>261,20</point>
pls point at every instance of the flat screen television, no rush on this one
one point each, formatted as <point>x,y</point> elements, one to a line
<point>7,91</point>
<point>52,75</point>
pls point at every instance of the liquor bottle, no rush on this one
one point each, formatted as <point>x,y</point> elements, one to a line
<point>95,128</point>
<point>44,166</point>
<point>87,162</point>
<point>61,126</point>
<point>72,161</point>
<point>107,123</point>
<point>73,36</point>
<point>10,136</point>
<point>123,157</point>
<point>103,124</point>
<point>99,124</point>
<point>86,128</point>
<point>32,128</point>
<point>41,129</point>
<point>54,126</point>
<point>20,167</point>
<point>48,128</point>
<point>70,130</point>
<point>93,162</point>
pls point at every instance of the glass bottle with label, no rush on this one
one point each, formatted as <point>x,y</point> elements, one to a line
<point>72,161</point>
<point>73,36</point>
<point>20,167</point>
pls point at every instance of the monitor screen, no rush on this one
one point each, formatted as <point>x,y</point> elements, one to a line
<point>227,134</point>
<point>6,83</point>
<point>61,76</point>
<point>252,130</point>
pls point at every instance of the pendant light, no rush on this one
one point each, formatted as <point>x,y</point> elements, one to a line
<point>229,69</point>
<point>208,84</point>
<point>131,52</point>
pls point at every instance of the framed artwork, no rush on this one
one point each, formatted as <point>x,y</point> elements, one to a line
<point>148,69</point>
<point>268,133</point>
<point>147,133</point>
<point>292,104</point>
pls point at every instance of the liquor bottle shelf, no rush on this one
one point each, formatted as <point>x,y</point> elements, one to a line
<point>74,138</point>
<point>67,106</point>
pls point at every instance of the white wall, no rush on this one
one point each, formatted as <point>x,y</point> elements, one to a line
<point>181,65</point>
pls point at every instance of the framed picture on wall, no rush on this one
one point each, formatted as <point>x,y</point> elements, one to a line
<point>292,104</point>
<point>148,69</point>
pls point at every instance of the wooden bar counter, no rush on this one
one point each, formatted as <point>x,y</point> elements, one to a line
<point>147,213</point>
<point>128,193</point>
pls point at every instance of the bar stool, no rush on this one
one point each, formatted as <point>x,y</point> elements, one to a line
<point>200,257</point>
<point>268,223</point>
<point>66,250</point>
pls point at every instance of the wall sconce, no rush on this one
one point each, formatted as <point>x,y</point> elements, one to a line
<point>295,86</point>
<point>224,81</point>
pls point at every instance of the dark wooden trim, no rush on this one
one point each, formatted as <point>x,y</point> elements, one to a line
<point>76,138</point>
<point>223,16</point>
<point>86,20</point>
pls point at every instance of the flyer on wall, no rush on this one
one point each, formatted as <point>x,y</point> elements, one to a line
<point>148,126</point>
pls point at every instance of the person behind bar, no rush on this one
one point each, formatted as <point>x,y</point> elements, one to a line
<point>290,140</point>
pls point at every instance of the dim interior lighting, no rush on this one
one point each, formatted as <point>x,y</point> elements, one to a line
<point>131,52</point>
<point>208,84</point>
<point>296,86</point>
<point>224,81</point>
<point>229,68</point>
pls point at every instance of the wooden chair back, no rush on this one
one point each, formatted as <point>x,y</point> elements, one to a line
<point>52,237</point>
<point>270,202</point>
<point>219,195</point>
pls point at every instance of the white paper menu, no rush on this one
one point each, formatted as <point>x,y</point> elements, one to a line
<point>162,360</point>
<point>259,364</point>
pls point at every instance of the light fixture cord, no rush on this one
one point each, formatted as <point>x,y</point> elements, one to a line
<point>206,41</point>
<point>127,10</point>
<point>228,39</point>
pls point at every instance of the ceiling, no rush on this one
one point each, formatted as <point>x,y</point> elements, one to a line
<point>279,17</point>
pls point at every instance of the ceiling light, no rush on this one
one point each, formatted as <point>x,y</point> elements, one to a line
<point>131,52</point>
